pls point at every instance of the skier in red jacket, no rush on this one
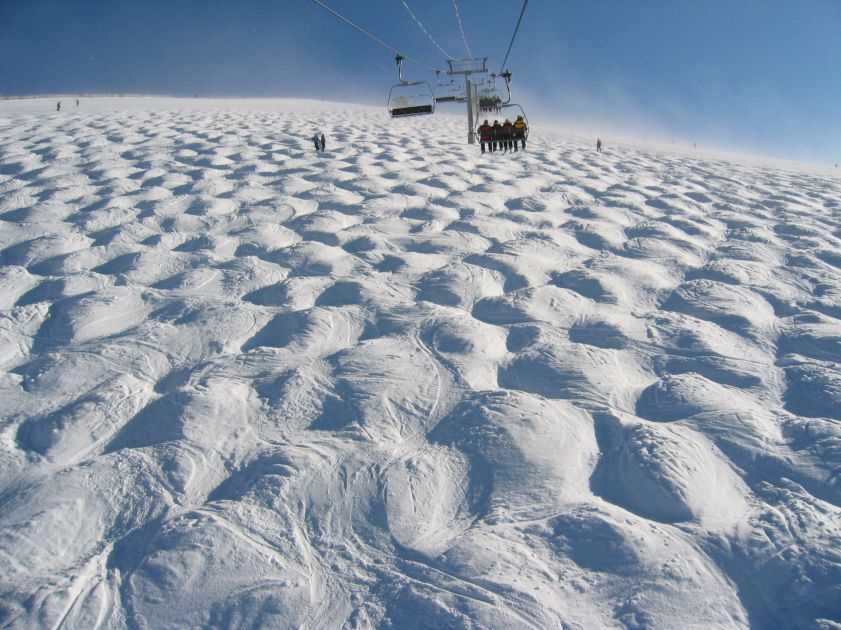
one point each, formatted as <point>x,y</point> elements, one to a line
<point>485,136</point>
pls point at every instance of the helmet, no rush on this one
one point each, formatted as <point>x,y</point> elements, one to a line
<point>496,122</point>
<point>507,120</point>
<point>485,123</point>
<point>519,117</point>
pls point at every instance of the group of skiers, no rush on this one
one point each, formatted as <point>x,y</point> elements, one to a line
<point>58,105</point>
<point>503,136</point>
<point>319,142</point>
<point>490,104</point>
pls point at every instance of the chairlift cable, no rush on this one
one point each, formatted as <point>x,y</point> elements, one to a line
<point>461,28</point>
<point>516,28</point>
<point>367,34</point>
<point>425,32</point>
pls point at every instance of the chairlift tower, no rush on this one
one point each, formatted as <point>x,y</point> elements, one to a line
<point>469,67</point>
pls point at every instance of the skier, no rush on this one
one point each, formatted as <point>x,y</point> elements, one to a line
<point>317,142</point>
<point>520,128</point>
<point>599,145</point>
<point>58,106</point>
<point>77,102</point>
<point>507,134</point>
<point>496,136</point>
<point>322,142</point>
<point>485,136</point>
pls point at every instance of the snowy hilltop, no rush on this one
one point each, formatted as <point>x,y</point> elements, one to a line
<point>399,384</point>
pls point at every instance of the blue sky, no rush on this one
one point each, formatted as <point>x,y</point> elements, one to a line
<point>762,76</point>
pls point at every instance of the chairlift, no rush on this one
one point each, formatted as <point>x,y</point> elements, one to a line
<point>448,91</point>
<point>410,98</point>
<point>491,98</point>
<point>476,65</point>
<point>512,111</point>
<point>491,101</point>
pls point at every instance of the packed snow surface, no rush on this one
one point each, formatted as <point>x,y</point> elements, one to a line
<point>400,384</point>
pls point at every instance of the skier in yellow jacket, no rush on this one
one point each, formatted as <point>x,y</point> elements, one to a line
<point>520,130</point>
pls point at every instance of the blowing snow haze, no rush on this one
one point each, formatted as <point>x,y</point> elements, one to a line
<point>753,76</point>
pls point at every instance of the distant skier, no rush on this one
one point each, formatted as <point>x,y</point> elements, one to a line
<point>58,106</point>
<point>323,142</point>
<point>317,142</point>
<point>77,102</point>
<point>599,145</point>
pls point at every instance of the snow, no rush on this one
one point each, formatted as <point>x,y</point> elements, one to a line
<point>400,384</point>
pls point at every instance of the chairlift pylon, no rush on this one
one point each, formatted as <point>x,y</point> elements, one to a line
<point>409,98</point>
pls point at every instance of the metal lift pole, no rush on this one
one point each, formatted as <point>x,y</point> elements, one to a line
<point>468,67</point>
<point>469,87</point>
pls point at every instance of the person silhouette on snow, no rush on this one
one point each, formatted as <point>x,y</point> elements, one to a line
<point>58,106</point>
<point>599,145</point>
<point>317,142</point>
<point>323,142</point>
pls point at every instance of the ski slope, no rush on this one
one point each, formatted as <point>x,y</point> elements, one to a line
<point>403,385</point>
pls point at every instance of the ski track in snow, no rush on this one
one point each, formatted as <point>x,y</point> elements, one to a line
<point>404,385</point>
